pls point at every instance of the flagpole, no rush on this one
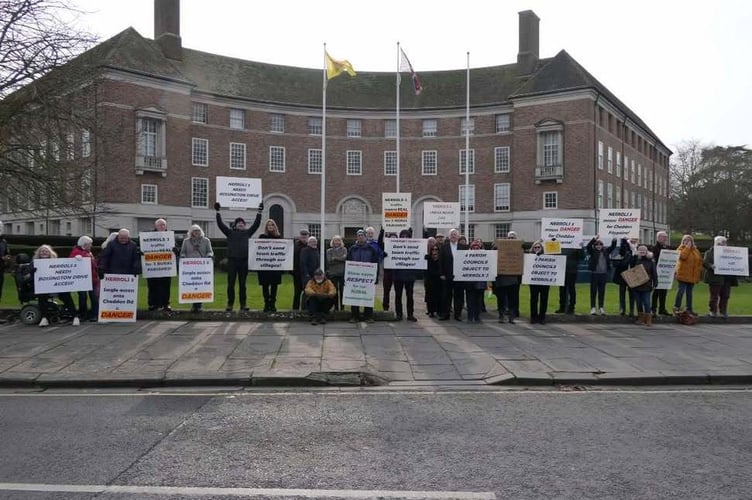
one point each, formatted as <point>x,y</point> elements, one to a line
<point>467,151</point>
<point>398,117</point>
<point>323,162</point>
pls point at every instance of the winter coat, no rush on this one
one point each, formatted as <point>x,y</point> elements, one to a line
<point>363,253</point>
<point>119,258</point>
<point>711,278</point>
<point>269,277</point>
<point>326,287</point>
<point>650,269</point>
<point>237,240</point>
<point>621,265</point>
<point>594,255</point>
<point>193,248</point>
<point>87,253</point>
<point>447,259</point>
<point>310,260</point>
<point>335,261</point>
<point>689,266</point>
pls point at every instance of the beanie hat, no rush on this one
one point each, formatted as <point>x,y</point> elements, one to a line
<point>239,219</point>
<point>361,232</point>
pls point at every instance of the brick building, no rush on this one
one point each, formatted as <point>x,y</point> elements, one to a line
<point>547,140</point>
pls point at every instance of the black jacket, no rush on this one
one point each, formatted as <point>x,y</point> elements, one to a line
<point>447,259</point>
<point>237,240</point>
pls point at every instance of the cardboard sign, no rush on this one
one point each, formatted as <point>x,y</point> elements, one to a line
<point>62,275</point>
<point>544,269</point>
<point>360,283</point>
<point>569,232</point>
<point>509,260</point>
<point>196,280</point>
<point>441,214</point>
<point>156,241</point>
<point>159,264</point>
<point>267,254</point>
<point>396,215</point>
<point>731,261</point>
<point>405,253</point>
<point>239,192</point>
<point>635,276</point>
<point>665,268</point>
<point>619,223</point>
<point>118,298</point>
<point>474,265</point>
<point>552,247</point>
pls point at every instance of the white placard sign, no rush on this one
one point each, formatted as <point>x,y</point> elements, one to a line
<point>619,223</point>
<point>118,298</point>
<point>159,264</point>
<point>568,232</point>
<point>62,275</point>
<point>196,280</point>
<point>239,192</point>
<point>270,254</point>
<point>731,261</point>
<point>544,269</point>
<point>474,265</point>
<point>665,268</point>
<point>441,214</point>
<point>360,283</point>
<point>156,241</point>
<point>405,253</point>
<point>396,211</point>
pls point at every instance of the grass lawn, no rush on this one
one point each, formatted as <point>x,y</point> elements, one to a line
<point>740,303</point>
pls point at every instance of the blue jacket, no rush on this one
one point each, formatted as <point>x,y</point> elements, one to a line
<point>363,253</point>
<point>118,258</point>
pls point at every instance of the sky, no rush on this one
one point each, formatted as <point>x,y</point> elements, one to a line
<point>683,66</point>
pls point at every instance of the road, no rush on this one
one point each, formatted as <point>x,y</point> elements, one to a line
<point>518,444</point>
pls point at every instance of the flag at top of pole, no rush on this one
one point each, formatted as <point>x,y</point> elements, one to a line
<point>407,67</point>
<point>335,68</point>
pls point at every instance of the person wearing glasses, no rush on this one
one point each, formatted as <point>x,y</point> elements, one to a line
<point>599,265</point>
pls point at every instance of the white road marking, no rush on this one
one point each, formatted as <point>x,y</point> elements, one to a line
<point>248,492</point>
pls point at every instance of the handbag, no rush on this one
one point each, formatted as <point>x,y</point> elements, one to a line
<point>635,276</point>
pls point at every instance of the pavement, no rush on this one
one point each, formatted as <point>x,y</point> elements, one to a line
<point>220,349</point>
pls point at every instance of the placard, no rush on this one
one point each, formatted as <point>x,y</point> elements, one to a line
<point>619,223</point>
<point>159,264</point>
<point>268,254</point>
<point>474,265</point>
<point>665,268</point>
<point>156,241</point>
<point>441,214</point>
<point>118,298</point>
<point>196,280</point>
<point>731,261</point>
<point>544,269</point>
<point>239,192</point>
<point>396,211</point>
<point>569,232</point>
<point>635,276</point>
<point>62,275</point>
<point>405,253</point>
<point>552,247</point>
<point>360,283</point>
<point>509,260</point>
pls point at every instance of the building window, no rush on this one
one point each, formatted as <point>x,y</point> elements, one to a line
<point>600,155</point>
<point>617,197</point>
<point>315,231</point>
<point>633,200</point>
<point>237,156</point>
<point>609,195</point>
<point>86,177</point>
<point>200,112</point>
<point>501,160</point>
<point>600,194</point>
<point>315,165</point>
<point>276,159</point>
<point>618,164</point>
<point>314,125</point>
<point>610,160</point>
<point>200,152</point>
<point>354,163</point>
<point>277,123</point>
<point>237,119</point>
<point>464,161</point>
<point>467,204</point>
<point>550,149</point>
<point>149,194</point>
<point>390,163</point>
<point>150,141</point>
<point>70,147</point>
<point>353,128</point>
<point>502,230</point>
<point>85,144</point>
<point>429,163</point>
<point>502,123</point>
<point>55,150</point>
<point>199,192</point>
<point>390,128</point>
<point>467,127</point>
<point>502,198</point>
<point>634,172</point>
<point>550,200</point>
<point>430,128</point>
<point>639,174</point>
<point>470,232</point>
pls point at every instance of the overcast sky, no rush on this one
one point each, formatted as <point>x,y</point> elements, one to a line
<point>683,66</point>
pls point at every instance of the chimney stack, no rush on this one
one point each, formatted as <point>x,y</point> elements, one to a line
<point>167,28</point>
<point>527,57</point>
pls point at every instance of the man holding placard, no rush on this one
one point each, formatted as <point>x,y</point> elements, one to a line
<point>719,284</point>
<point>659,294</point>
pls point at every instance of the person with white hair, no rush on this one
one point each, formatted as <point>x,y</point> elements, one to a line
<point>719,284</point>
<point>658,301</point>
<point>196,245</point>
<point>158,289</point>
<point>120,256</point>
<point>80,251</point>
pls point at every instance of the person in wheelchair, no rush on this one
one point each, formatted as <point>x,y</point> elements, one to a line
<point>47,307</point>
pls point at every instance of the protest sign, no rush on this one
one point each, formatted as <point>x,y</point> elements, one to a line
<point>665,269</point>
<point>360,283</point>
<point>118,298</point>
<point>396,215</point>
<point>405,253</point>
<point>441,214</point>
<point>731,261</point>
<point>619,223</point>
<point>544,269</point>
<point>509,257</point>
<point>158,259</point>
<point>239,192</point>
<point>267,254</point>
<point>474,265</point>
<point>62,275</point>
<point>552,247</point>
<point>196,280</point>
<point>156,241</point>
<point>568,232</point>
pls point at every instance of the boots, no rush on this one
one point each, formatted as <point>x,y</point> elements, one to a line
<point>640,319</point>
<point>648,319</point>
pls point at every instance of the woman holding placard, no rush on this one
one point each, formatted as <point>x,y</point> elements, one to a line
<point>538,293</point>
<point>599,264</point>
<point>641,292</point>
<point>196,245</point>
<point>336,256</point>
<point>45,299</point>
<point>688,271</point>
<point>270,280</point>
<point>720,285</point>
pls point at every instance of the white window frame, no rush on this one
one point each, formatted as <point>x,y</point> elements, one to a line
<point>610,160</point>
<point>634,172</point>
<point>354,162</point>
<point>429,162</point>
<point>618,164</point>
<point>85,143</point>
<point>600,194</point>
<point>502,163</point>
<point>430,127</point>
<point>315,161</point>
<point>237,152</point>
<point>390,163</point>
<point>354,128</point>
<point>600,155</point>
<point>502,191</point>
<point>617,196</point>
<point>550,148</point>
<point>390,128</point>
<point>237,118</point>
<point>277,123</point>
<point>277,159</point>
<point>471,195</point>
<point>195,185</point>
<point>503,123</point>
<point>639,174</point>
<point>70,146</point>
<point>550,200</point>
<point>200,112</point>
<point>145,188</point>
<point>315,125</point>
<point>609,195</point>
<point>197,144</point>
<point>468,126</point>
<point>471,161</point>
<point>501,230</point>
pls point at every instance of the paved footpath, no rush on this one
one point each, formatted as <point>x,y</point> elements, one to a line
<point>172,352</point>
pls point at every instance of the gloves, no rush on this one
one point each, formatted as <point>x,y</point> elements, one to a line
<point>386,254</point>
<point>217,206</point>
<point>261,207</point>
<point>79,257</point>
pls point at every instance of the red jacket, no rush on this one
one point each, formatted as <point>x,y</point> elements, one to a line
<point>85,253</point>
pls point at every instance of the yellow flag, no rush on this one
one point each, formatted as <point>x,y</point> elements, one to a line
<point>335,68</point>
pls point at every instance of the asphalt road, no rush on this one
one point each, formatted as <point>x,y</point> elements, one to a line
<point>378,444</point>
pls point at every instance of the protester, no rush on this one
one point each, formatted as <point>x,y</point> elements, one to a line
<point>81,251</point>
<point>432,281</point>
<point>474,291</point>
<point>568,292</point>
<point>538,293</point>
<point>310,260</point>
<point>361,251</point>
<point>320,294</point>
<point>196,245</point>
<point>158,289</point>
<point>404,279</point>
<point>120,256</point>
<point>658,304</point>
<point>387,274</point>
<point>719,285</point>
<point>453,294</point>
<point>620,262</point>
<point>506,287</point>
<point>297,280</point>
<point>599,265</point>
<point>270,280</point>
<point>237,255</point>
<point>45,299</point>
<point>688,272</point>
<point>336,256</point>
<point>642,292</point>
